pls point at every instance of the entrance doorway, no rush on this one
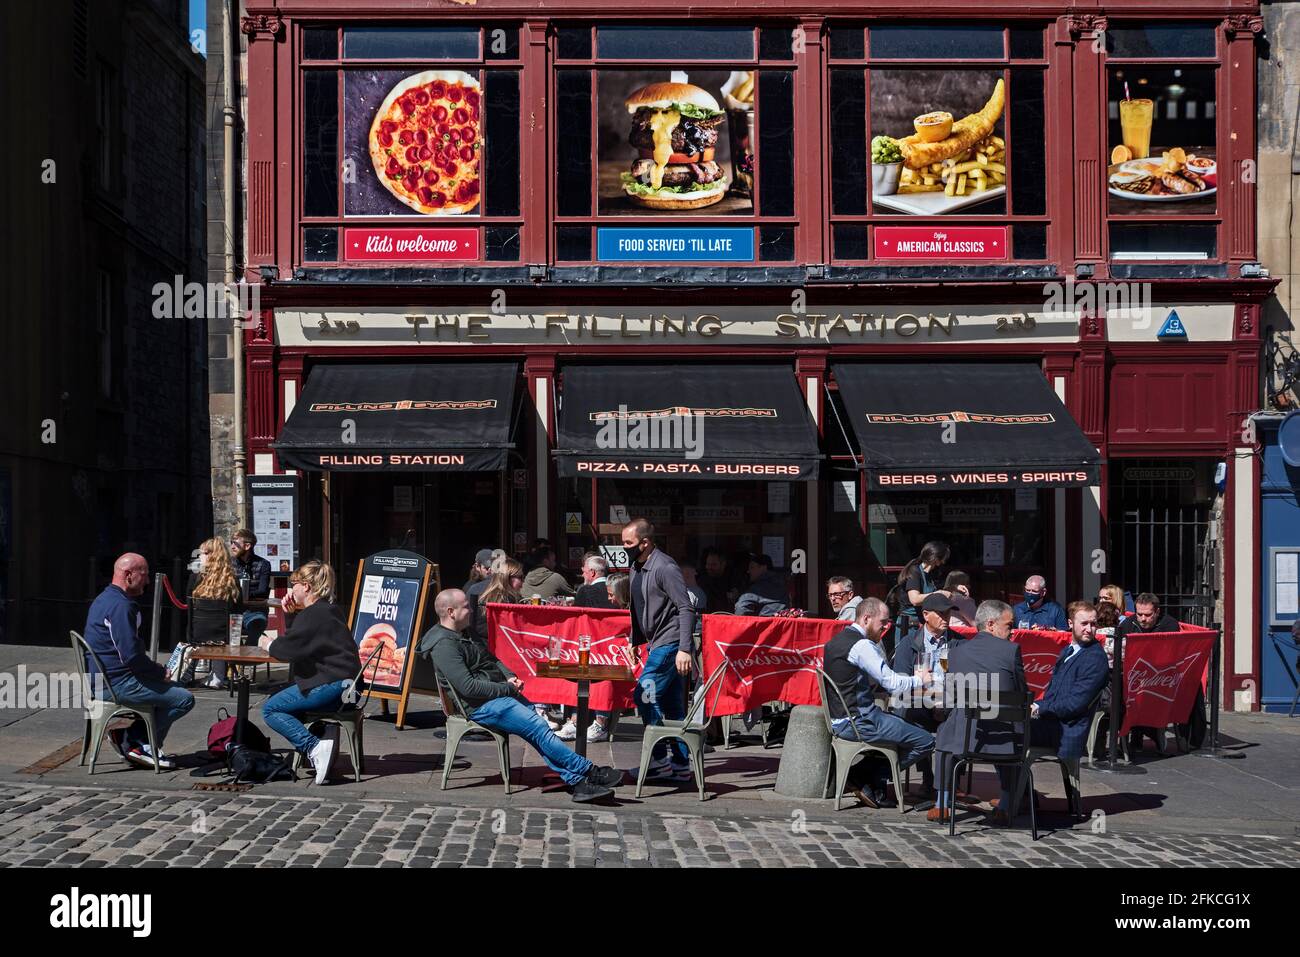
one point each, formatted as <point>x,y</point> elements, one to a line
<point>446,517</point>
<point>1160,541</point>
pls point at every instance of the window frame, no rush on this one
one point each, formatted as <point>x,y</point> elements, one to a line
<point>340,221</point>
<point>872,219</point>
<point>1218,218</point>
<point>594,64</point>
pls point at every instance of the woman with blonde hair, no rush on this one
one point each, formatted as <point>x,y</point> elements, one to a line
<point>213,598</point>
<point>322,662</point>
<point>1115,595</point>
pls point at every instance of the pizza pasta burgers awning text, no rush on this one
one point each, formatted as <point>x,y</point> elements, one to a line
<point>414,417</point>
<point>685,421</point>
<point>957,425</point>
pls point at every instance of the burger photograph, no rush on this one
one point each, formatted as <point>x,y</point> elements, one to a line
<point>663,145</point>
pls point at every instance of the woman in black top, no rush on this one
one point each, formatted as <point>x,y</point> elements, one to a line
<point>323,660</point>
<point>915,581</point>
<point>213,598</point>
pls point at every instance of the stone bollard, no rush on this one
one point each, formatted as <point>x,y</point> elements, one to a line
<point>805,755</point>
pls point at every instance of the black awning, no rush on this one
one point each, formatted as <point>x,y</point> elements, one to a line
<point>685,422</point>
<point>415,417</point>
<point>957,425</point>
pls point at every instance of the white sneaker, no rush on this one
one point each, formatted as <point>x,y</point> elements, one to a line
<point>322,756</point>
<point>215,681</point>
<point>550,722</point>
<point>569,732</point>
<point>145,758</point>
<point>597,731</point>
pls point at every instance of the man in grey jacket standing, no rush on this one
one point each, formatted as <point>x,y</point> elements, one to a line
<point>664,621</point>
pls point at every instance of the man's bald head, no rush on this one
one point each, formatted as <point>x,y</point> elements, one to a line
<point>451,605</point>
<point>131,573</point>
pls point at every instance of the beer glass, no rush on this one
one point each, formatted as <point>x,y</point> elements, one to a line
<point>584,650</point>
<point>553,651</point>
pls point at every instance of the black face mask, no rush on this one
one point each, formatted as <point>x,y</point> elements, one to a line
<point>633,552</point>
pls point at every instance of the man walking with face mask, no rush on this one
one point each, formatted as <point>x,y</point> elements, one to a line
<point>663,620</point>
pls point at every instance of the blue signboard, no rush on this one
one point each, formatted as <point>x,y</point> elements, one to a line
<point>675,244</point>
<point>1173,327</point>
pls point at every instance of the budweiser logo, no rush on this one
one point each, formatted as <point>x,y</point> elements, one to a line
<point>1039,666</point>
<point>751,661</point>
<point>532,647</point>
<point>1163,683</point>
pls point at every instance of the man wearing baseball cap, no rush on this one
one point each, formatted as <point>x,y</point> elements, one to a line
<point>473,589</point>
<point>925,647</point>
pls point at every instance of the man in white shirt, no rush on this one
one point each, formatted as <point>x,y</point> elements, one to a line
<point>855,663</point>
<point>839,592</point>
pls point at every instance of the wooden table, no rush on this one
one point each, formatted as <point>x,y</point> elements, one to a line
<point>584,677</point>
<point>242,658</point>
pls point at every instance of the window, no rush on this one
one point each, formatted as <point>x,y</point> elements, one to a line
<point>896,93</point>
<point>410,143</point>
<point>104,331</point>
<point>1162,143</point>
<point>105,125</point>
<point>674,142</point>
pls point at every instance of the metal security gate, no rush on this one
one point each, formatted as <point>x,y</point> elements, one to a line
<point>1161,535</point>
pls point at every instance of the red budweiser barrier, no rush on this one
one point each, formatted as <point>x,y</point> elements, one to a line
<point>1162,672</point>
<point>520,634</point>
<point>769,659</point>
<point>1038,649</point>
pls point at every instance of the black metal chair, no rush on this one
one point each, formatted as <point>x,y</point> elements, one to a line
<point>1070,768</point>
<point>1008,706</point>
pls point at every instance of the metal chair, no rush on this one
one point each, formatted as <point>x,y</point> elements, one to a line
<point>97,723</point>
<point>845,751</point>
<point>689,730</point>
<point>458,725</point>
<point>1012,707</point>
<point>350,716</point>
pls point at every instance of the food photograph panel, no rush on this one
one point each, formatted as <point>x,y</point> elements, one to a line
<point>676,143</point>
<point>938,142</point>
<point>1161,141</point>
<point>412,142</point>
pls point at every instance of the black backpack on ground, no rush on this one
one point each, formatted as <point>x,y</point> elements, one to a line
<point>251,766</point>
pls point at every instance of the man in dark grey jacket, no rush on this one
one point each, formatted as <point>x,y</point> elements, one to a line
<point>984,665</point>
<point>494,697</point>
<point>663,620</point>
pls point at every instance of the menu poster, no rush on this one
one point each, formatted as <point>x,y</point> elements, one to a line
<point>413,143</point>
<point>938,141</point>
<point>675,143</point>
<point>385,619</point>
<point>1162,149</point>
<point>274,501</point>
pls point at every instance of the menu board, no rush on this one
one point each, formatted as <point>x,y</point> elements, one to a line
<point>388,604</point>
<point>274,506</point>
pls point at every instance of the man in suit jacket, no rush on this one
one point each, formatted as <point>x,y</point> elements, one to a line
<point>592,593</point>
<point>1065,711</point>
<point>990,663</point>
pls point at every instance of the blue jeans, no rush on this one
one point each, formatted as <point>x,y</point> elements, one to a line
<point>881,727</point>
<point>512,716</point>
<point>658,696</point>
<point>280,712</point>
<point>172,701</point>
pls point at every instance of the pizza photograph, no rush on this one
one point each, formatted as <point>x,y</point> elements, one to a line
<point>424,139</point>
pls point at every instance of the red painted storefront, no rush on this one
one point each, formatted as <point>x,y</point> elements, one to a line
<point>1141,401</point>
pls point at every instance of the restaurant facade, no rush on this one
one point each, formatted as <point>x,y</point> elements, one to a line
<point>986,280</point>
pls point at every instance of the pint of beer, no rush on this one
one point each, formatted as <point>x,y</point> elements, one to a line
<point>584,650</point>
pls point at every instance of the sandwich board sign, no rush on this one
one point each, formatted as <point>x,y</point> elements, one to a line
<point>388,603</point>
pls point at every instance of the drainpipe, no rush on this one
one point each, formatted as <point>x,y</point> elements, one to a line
<point>230,61</point>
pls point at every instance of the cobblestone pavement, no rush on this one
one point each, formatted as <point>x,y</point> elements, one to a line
<point>93,827</point>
